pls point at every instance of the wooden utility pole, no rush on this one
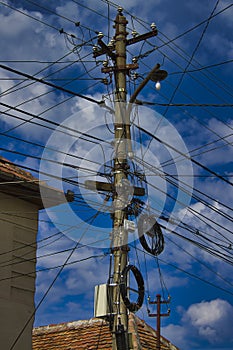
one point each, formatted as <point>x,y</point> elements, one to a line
<point>158,315</point>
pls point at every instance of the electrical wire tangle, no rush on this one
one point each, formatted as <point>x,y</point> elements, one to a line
<point>88,172</point>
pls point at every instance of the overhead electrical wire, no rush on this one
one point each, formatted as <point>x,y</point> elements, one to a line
<point>207,127</point>
<point>63,127</point>
<point>10,90</point>
<point>176,159</point>
<point>50,11</point>
<point>193,53</point>
<point>61,268</point>
<point>25,121</point>
<point>202,22</point>
<point>186,272</point>
<point>29,16</point>
<point>54,177</point>
<point>42,146</point>
<point>143,22</point>
<point>200,106</point>
<point>194,231</point>
<point>201,122</point>
<point>226,258</point>
<point>89,9</point>
<point>182,188</point>
<point>217,81</point>
<point>68,65</point>
<point>55,267</point>
<point>188,30</point>
<point>23,258</point>
<point>193,211</point>
<point>224,244</point>
<point>201,262</point>
<point>60,30</point>
<point>30,244</point>
<point>57,87</point>
<point>35,245</point>
<point>183,154</point>
<point>53,161</point>
<point>197,119</point>
<point>209,74</point>
<point>177,46</point>
<point>46,94</point>
<point>203,67</point>
<point>186,104</point>
<point>195,103</point>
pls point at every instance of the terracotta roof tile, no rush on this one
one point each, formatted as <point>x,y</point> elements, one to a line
<point>9,168</point>
<point>82,335</point>
<point>20,183</point>
<point>94,334</point>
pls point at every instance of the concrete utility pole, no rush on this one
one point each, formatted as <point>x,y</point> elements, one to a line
<point>122,190</point>
<point>120,235</point>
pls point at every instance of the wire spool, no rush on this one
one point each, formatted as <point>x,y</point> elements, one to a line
<point>132,306</point>
<point>150,230</point>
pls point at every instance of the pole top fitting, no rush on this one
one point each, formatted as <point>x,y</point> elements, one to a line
<point>153,26</point>
<point>120,9</point>
<point>100,35</point>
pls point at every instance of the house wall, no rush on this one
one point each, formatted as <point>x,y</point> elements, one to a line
<point>18,230</point>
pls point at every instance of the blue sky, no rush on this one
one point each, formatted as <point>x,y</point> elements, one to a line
<point>41,39</point>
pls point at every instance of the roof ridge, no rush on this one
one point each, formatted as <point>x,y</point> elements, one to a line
<point>8,167</point>
<point>154,332</point>
<point>66,325</point>
<point>94,334</point>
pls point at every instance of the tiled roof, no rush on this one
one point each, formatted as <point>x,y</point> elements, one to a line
<point>94,334</point>
<point>21,184</point>
<point>8,168</point>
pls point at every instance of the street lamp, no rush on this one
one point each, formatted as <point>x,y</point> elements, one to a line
<point>158,76</point>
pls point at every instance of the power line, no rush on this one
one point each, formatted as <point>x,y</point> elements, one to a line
<point>201,262</point>
<point>55,124</point>
<point>193,53</point>
<point>194,117</point>
<point>28,76</point>
<point>217,79</point>
<point>203,67</point>
<point>51,285</point>
<point>190,209</point>
<point>184,104</point>
<point>186,272</point>
<point>12,89</point>
<point>223,138</point>
<point>183,154</point>
<point>29,16</point>
<point>190,29</point>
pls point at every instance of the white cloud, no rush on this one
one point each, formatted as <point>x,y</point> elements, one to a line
<point>211,321</point>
